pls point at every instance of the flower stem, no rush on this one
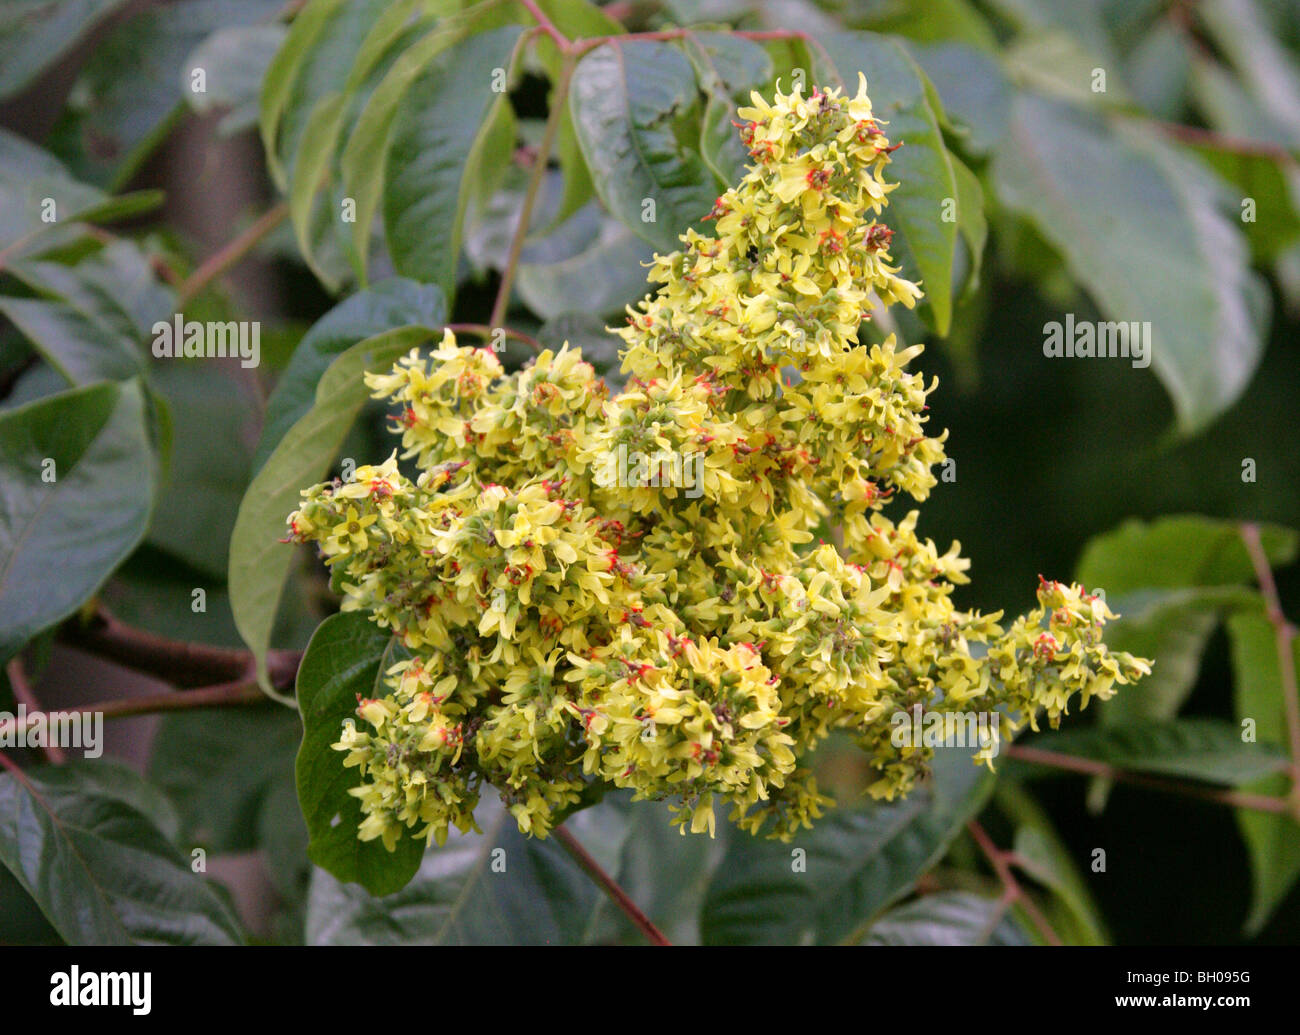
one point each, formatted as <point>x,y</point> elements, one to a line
<point>1285,634</point>
<point>222,695</point>
<point>231,253</point>
<point>611,888</point>
<point>534,188</point>
<point>1091,767</point>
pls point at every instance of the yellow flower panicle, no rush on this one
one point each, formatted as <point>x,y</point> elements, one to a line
<point>571,628</point>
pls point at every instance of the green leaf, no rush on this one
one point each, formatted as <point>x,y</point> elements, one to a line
<point>1197,749</point>
<point>664,873</point>
<point>435,151</point>
<point>259,563</point>
<point>39,198</point>
<point>72,343</point>
<point>728,68</point>
<point>975,90</point>
<point>937,20</point>
<point>100,869</point>
<point>1172,628</point>
<point>858,861</point>
<point>1272,839</point>
<point>210,464</point>
<point>947,918</point>
<point>90,320</point>
<point>458,898</point>
<point>635,108</point>
<point>1082,22</point>
<point>1269,72</point>
<point>129,94</point>
<point>604,277</point>
<point>317,54</point>
<point>347,656</point>
<point>1143,234</point>
<point>363,160</point>
<point>36,33</point>
<point>926,244</point>
<point>61,538</point>
<point>391,303</point>
<point>1171,581</point>
<point>971,221</point>
<point>1178,551</point>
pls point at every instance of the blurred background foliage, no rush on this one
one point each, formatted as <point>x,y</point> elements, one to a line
<point>1122,203</point>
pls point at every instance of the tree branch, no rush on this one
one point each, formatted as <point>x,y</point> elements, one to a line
<point>222,695</point>
<point>179,663</point>
<point>24,695</point>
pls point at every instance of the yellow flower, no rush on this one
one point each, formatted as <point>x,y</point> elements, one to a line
<point>627,589</point>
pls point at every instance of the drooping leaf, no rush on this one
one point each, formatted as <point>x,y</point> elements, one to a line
<point>1197,749</point>
<point>36,33</point>
<point>728,67</point>
<point>39,199</point>
<point>494,888</point>
<point>856,862</point>
<point>635,109</point>
<point>76,485</point>
<point>100,869</point>
<point>603,278</point>
<point>91,320</point>
<point>1177,551</point>
<point>347,656</point>
<point>436,149</point>
<point>1042,854</point>
<point>925,245</point>
<point>947,918</point>
<point>259,562</point>
<point>577,19</point>
<point>383,306</point>
<point>1272,839</point>
<point>129,93</point>
<point>664,873</point>
<point>975,90</point>
<point>1148,244</point>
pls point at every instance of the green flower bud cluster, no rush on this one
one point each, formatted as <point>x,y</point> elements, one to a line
<point>568,630</point>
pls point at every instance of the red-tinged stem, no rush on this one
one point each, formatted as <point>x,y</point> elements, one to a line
<point>534,188</point>
<point>1091,767</point>
<point>611,888</point>
<point>1221,142</point>
<point>231,253</point>
<point>1285,634</point>
<point>179,663</point>
<point>1013,893</point>
<point>223,695</point>
<point>546,25</point>
<point>482,330</point>
<point>25,696</point>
